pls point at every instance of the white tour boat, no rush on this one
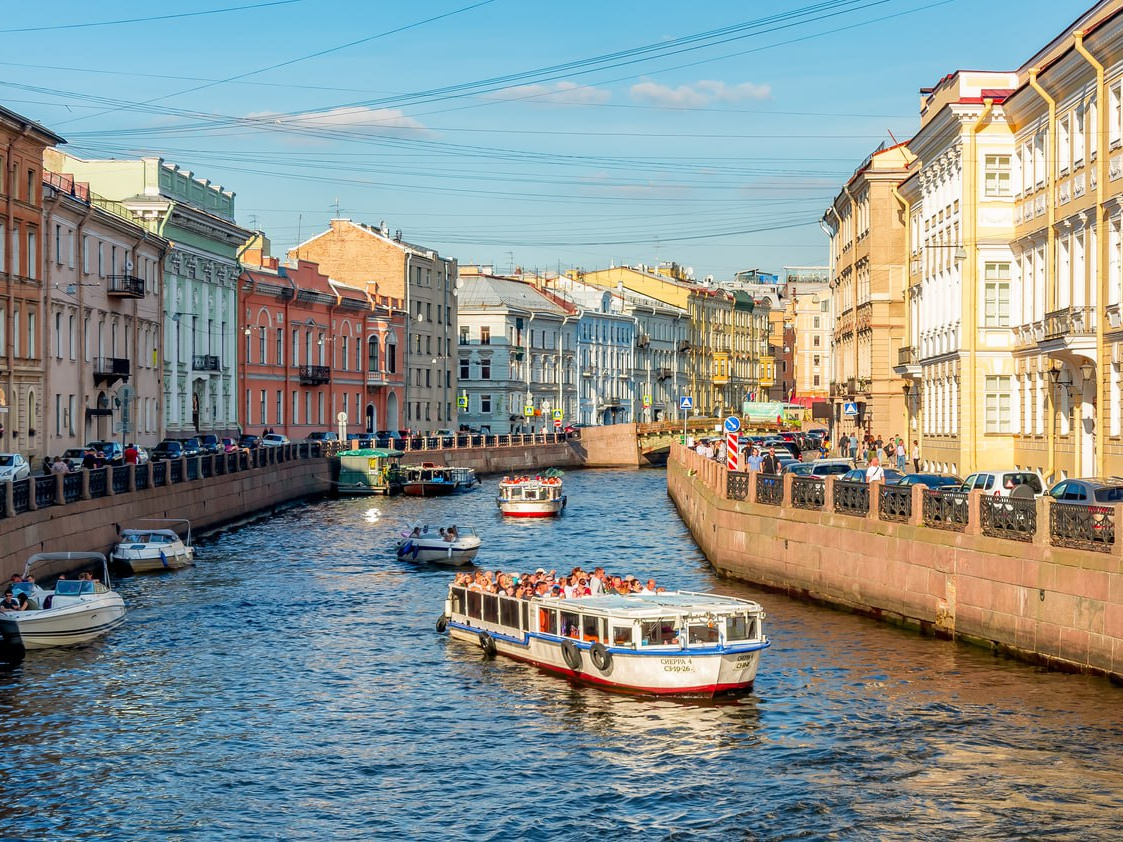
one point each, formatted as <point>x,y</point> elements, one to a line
<point>141,550</point>
<point>76,611</point>
<point>539,496</point>
<point>673,644</point>
<point>435,547</point>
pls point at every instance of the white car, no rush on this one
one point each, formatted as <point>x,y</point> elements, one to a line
<point>274,440</point>
<point>1003,483</point>
<point>13,467</point>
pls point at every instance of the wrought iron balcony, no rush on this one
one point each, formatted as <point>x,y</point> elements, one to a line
<point>663,374</point>
<point>126,286</point>
<point>205,362</point>
<point>109,370</point>
<point>314,375</point>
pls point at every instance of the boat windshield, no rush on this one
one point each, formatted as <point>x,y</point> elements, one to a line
<point>739,627</point>
<point>74,587</point>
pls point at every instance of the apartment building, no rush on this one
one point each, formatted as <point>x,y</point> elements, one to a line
<point>808,327</point>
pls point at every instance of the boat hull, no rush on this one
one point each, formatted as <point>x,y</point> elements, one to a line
<point>428,489</point>
<point>531,508</point>
<point>456,554</point>
<point>146,562</point>
<point>67,626</point>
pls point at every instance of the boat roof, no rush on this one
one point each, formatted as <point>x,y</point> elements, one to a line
<point>653,605</point>
<point>138,530</point>
<point>377,452</point>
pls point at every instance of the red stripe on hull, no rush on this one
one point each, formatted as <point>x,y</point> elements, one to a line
<point>530,514</point>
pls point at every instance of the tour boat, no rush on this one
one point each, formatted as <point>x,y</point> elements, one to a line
<point>464,478</point>
<point>531,496</point>
<point>665,644</point>
<point>370,470</point>
<point>142,550</point>
<point>76,611</point>
<point>433,547</point>
<point>427,480</point>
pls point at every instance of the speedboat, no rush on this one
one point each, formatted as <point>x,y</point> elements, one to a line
<point>427,480</point>
<point>539,496</point>
<point>665,644</point>
<point>75,611</point>
<point>142,550</point>
<point>437,547</point>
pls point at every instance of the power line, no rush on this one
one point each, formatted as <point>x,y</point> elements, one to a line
<point>149,19</point>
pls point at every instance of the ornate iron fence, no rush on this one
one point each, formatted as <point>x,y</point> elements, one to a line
<point>193,468</point>
<point>72,487</point>
<point>851,498</point>
<point>207,467</point>
<point>1082,527</point>
<point>21,495</point>
<point>98,482</point>
<point>175,471</point>
<point>142,477</point>
<point>121,479</point>
<point>737,485</point>
<point>946,510</point>
<point>808,492</point>
<point>1008,517</point>
<point>894,502</point>
<point>769,489</point>
<point>46,491</point>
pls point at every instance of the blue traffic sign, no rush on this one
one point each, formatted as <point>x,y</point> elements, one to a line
<point>686,402</point>
<point>732,424</point>
<point>850,408</point>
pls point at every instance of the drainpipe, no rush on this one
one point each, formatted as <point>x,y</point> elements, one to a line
<point>1102,243</point>
<point>907,206</point>
<point>9,342</point>
<point>970,281</point>
<point>529,394</point>
<point>1051,239</point>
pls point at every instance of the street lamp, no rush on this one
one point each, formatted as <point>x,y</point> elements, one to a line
<point>1087,370</point>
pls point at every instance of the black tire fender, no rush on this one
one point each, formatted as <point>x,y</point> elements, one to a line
<point>487,643</point>
<point>600,656</point>
<point>442,623</point>
<point>572,655</point>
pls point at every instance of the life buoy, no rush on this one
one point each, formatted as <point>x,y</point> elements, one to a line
<point>572,655</point>
<point>442,623</point>
<point>487,644</point>
<point>600,656</point>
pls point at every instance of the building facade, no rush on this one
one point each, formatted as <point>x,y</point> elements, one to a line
<point>103,293</point>
<point>370,259</point>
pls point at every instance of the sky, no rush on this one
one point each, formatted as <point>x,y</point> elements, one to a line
<point>517,133</point>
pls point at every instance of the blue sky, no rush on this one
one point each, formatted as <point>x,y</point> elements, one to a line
<point>719,153</point>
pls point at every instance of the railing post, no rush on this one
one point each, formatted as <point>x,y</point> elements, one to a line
<point>85,484</point>
<point>132,477</point>
<point>109,490</point>
<point>918,492</point>
<point>874,511</point>
<point>1117,548</point>
<point>182,470</point>
<point>828,493</point>
<point>974,515</point>
<point>1042,537</point>
<point>32,503</point>
<point>60,490</point>
<point>789,481</point>
<point>10,502</point>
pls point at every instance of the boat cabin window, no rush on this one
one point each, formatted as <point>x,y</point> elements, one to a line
<point>475,604</point>
<point>622,636</point>
<point>592,629</point>
<point>702,634</point>
<point>509,612</point>
<point>547,621</point>
<point>570,624</point>
<point>661,632</point>
<point>740,628</point>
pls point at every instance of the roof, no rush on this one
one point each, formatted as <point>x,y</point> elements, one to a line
<point>23,122</point>
<point>653,605</point>
<point>486,291</point>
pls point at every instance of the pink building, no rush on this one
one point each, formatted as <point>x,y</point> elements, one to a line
<point>313,348</point>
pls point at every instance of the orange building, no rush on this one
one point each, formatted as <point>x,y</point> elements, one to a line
<point>313,348</point>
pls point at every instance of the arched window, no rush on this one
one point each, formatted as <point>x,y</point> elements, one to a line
<point>372,354</point>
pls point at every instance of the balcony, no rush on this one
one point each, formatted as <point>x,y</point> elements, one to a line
<point>1069,322</point>
<point>206,362</point>
<point>125,286</point>
<point>376,379</point>
<point>663,374</point>
<point>908,363</point>
<point>109,370</point>
<point>684,345</point>
<point>643,340</point>
<point>314,375</point>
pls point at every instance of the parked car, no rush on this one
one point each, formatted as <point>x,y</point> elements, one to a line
<point>167,449</point>
<point>192,447</point>
<point>249,442</point>
<point>113,450</point>
<point>13,467</point>
<point>1003,483</point>
<point>790,446</point>
<point>800,469</point>
<point>73,457</point>
<point>934,481</point>
<point>830,467</point>
<point>1094,491</point>
<point>322,436</point>
<point>892,476</point>
<point>210,443</point>
<point>274,440</point>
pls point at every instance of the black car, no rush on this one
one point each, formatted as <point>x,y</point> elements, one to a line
<point>192,447</point>
<point>931,480</point>
<point>167,449</point>
<point>249,442</point>
<point>113,451</point>
<point>210,443</point>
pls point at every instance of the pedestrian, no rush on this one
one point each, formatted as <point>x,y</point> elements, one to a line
<point>853,446</point>
<point>768,464</point>
<point>752,463</point>
<point>59,467</point>
<point>132,455</point>
<point>900,454</point>
<point>916,456</point>
<point>875,473</point>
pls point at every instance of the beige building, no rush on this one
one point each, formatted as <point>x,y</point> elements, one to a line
<point>103,287</point>
<point>956,355</point>
<point>866,225</point>
<point>383,264</point>
<point>807,329</point>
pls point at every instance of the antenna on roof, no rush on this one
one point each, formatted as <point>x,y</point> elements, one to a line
<point>895,141</point>
<point>335,205</point>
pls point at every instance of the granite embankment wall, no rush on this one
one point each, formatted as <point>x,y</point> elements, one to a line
<point>1043,603</point>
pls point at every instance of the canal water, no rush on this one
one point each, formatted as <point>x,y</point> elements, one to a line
<point>291,686</point>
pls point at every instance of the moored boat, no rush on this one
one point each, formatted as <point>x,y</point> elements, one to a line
<point>75,611</point>
<point>539,496</point>
<point>148,550</point>
<point>427,480</point>
<point>370,470</point>
<point>455,546</point>
<point>666,644</point>
<point>464,478</point>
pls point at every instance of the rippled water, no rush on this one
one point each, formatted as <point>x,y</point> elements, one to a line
<point>291,685</point>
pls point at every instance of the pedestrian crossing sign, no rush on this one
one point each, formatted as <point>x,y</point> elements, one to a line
<point>462,401</point>
<point>686,402</point>
<point>528,410</point>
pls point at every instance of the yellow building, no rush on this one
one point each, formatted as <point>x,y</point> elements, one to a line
<point>866,225</point>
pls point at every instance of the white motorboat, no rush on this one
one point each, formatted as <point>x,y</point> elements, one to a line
<point>539,496</point>
<point>75,611</point>
<point>439,546</point>
<point>147,550</point>
<point>667,644</point>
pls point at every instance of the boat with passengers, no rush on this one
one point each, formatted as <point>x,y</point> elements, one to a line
<point>666,644</point>
<point>537,496</point>
<point>427,480</point>
<point>454,546</point>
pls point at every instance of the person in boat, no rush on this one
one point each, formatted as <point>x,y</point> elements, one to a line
<point>453,533</point>
<point>416,533</point>
<point>9,603</point>
<point>444,535</point>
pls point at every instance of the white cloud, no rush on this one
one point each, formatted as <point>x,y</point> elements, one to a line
<point>559,93</point>
<point>698,95</point>
<point>386,122</point>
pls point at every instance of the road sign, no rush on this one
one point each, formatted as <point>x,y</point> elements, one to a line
<point>732,424</point>
<point>341,418</point>
<point>850,408</point>
<point>462,401</point>
<point>646,401</point>
<point>686,402</point>
<point>528,411</point>
<point>557,415</point>
<point>557,423</point>
<point>732,451</point>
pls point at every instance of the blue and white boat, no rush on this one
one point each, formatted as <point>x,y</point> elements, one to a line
<point>439,546</point>
<point>664,644</point>
<point>150,550</point>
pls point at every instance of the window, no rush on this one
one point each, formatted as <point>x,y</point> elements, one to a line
<point>818,323</point>
<point>58,244</point>
<point>485,404</point>
<point>345,338</point>
<point>1114,124</point>
<point>816,359</point>
<point>485,369</point>
<point>295,348</point>
<point>391,357</point>
<point>372,354</point>
<point>816,341</point>
<point>998,404</point>
<point>464,334</point>
<point>261,346</point>
<point>485,335</point>
<point>262,408</point>
<point>280,347</point>
<point>997,175</point>
<point>465,368</point>
<point>996,308</point>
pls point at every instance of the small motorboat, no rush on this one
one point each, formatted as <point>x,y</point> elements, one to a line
<point>427,480</point>
<point>148,550</point>
<point>75,611</point>
<point>455,546</point>
<point>538,496</point>
<point>464,478</point>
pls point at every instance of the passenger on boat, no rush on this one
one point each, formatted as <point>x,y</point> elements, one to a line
<point>9,603</point>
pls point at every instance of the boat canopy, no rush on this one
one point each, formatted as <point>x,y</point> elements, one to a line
<point>374,452</point>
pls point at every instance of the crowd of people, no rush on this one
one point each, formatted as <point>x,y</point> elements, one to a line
<point>91,460</point>
<point>576,584</point>
<point>893,450</point>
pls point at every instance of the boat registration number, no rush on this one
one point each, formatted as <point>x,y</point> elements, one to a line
<point>677,664</point>
<point>743,662</point>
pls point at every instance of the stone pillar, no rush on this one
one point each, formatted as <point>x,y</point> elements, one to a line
<point>60,490</point>
<point>212,457</point>
<point>789,481</point>
<point>1041,536</point>
<point>132,478</point>
<point>86,484</point>
<point>182,470</point>
<point>875,500</point>
<point>109,492</point>
<point>974,521</point>
<point>9,501</point>
<point>1117,549</point>
<point>918,492</point>
<point>32,505</point>
<point>828,493</point>
<point>750,497</point>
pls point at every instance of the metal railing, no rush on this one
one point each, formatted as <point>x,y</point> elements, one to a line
<point>111,367</point>
<point>175,471</point>
<point>808,492</point>
<point>121,479</point>
<point>1008,517</point>
<point>98,482</point>
<point>126,285</point>
<point>894,503</point>
<point>313,375</point>
<point>72,487</point>
<point>851,498</point>
<point>1082,527</point>
<point>21,495</point>
<point>142,472</point>
<point>737,485</point>
<point>946,510</point>
<point>769,489</point>
<point>46,491</point>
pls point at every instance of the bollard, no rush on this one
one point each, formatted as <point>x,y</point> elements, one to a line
<point>132,478</point>
<point>918,492</point>
<point>60,490</point>
<point>85,484</point>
